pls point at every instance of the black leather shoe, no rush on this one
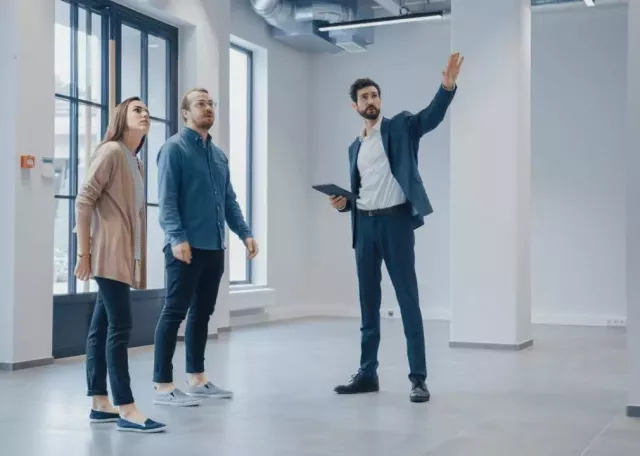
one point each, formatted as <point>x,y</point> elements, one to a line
<point>419,392</point>
<point>360,383</point>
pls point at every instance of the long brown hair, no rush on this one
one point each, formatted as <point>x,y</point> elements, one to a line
<point>118,124</point>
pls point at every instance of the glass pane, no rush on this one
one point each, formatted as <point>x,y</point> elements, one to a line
<point>62,38</point>
<point>130,77</point>
<point>86,287</point>
<point>62,148</point>
<point>157,77</point>
<point>89,58</point>
<point>89,136</point>
<point>155,256</point>
<point>238,123</point>
<point>61,229</point>
<point>155,140</point>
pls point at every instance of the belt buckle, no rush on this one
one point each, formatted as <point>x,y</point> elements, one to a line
<point>370,213</point>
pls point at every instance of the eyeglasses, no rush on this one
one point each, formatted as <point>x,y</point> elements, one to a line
<point>203,104</point>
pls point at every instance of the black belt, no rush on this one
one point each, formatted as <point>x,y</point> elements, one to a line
<point>385,211</point>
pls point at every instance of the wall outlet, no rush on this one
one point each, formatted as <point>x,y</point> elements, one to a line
<point>616,322</point>
<point>387,313</point>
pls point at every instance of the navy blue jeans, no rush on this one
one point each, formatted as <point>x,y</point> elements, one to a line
<point>108,341</point>
<point>191,288</point>
<point>390,238</point>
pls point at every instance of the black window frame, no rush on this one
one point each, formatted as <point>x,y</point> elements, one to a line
<point>249,159</point>
<point>114,16</point>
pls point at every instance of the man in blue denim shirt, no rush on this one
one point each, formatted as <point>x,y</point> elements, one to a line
<point>196,199</point>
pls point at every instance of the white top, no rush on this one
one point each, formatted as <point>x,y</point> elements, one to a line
<point>132,160</point>
<point>379,189</point>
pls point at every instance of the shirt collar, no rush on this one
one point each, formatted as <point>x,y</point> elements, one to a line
<point>374,129</point>
<point>194,135</point>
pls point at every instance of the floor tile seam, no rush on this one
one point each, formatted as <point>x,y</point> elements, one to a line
<point>461,432</point>
<point>596,438</point>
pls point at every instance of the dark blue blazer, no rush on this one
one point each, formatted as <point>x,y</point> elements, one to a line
<point>401,139</point>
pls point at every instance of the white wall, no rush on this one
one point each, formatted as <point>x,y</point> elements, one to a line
<point>332,259</point>
<point>283,87</point>
<point>281,129</point>
<point>26,85</point>
<point>577,131</point>
<point>578,121</point>
<point>633,211</point>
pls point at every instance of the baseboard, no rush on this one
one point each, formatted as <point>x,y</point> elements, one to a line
<point>292,312</point>
<point>26,364</point>
<point>633,411</point>
<point>442,313</point>
<point>353,311</point>
<point>491,346</point>
<point>209,337</point>
<point>577,319</point>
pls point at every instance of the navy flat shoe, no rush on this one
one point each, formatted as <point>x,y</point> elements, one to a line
<point>148,427</point>
<point>97,416</point>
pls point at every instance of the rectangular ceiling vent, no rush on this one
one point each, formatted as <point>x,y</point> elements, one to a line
<point>351,46</point>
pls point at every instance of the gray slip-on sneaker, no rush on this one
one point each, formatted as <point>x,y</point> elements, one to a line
<point>208,390</point>
<point>175,398</point>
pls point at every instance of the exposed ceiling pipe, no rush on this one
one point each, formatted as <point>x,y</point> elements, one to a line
<point>284,14</point>
<point>326,12</point>
<point>278,13</point>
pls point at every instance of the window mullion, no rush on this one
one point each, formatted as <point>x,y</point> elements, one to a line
<point>104,71</point>
<point>249,142</point>
<point>144,94</point>
<point>73,147</point>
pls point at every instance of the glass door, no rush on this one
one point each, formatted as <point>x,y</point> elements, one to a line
<point>142,61</point>
<point>80,121</point>
<point>105,53</point>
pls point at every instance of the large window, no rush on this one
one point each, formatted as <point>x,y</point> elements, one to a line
<point>105,53</point>
<point>241,127</point>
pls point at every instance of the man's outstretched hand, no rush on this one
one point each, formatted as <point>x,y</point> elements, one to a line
<point>452,70</point>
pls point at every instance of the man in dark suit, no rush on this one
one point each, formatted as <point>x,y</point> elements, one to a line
<point>392,203</point>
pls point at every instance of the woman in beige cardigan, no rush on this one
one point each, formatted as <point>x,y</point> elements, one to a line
<point>111,230</point>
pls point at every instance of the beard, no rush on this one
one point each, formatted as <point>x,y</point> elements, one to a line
<point>370,113</point>
<point>205,122</point>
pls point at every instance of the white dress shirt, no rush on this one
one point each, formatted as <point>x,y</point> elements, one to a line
<point>379,189</point>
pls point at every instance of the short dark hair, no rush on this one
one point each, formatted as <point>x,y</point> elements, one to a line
<point>184,103</point>
<point>360,84</point>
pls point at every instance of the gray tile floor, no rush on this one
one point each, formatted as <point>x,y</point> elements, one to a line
<point>565,396</point>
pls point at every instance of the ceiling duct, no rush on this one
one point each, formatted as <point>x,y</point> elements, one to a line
<point>326,12</point>
<point>296,23</point>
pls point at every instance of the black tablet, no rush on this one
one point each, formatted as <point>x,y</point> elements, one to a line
<point>334,190</point>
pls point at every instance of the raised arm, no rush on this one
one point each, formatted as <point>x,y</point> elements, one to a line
<point>430,117</point>
<point>169,182</point>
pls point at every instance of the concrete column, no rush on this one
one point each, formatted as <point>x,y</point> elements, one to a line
<point>633,208</point>
<point>26,196</point>
<point>490,175</point>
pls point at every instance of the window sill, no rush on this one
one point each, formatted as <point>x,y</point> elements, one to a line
<point>244,297</point>
<point>245,287</point>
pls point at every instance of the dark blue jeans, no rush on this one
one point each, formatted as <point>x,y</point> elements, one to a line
<point>191,288</point>
<point>389,238</point>
<point>108,341</point>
